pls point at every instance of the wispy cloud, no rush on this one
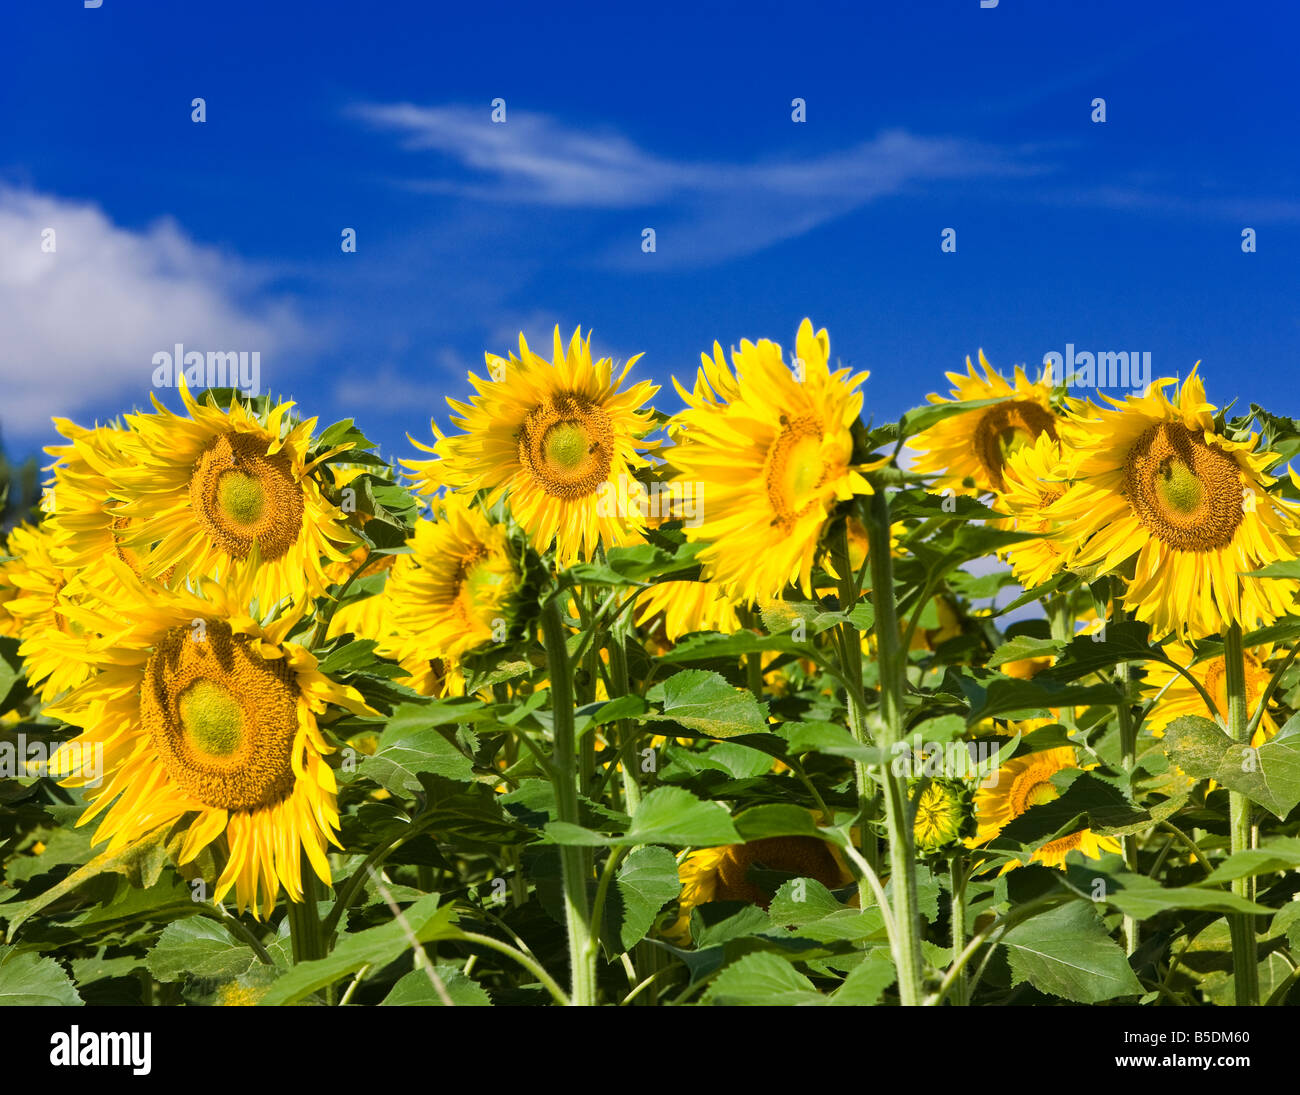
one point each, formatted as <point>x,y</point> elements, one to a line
<point>711,211</point>
<point>81,323</point>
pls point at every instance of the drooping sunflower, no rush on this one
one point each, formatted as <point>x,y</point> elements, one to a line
<point>218,491</point>
<point>83,527</point>
<point>1024,782</point>
<point>674,609</point>
<point>205,723</point>
<point>560,440</point>
<point>1034,477</point>
<point>1181,698</point>
<point>451,594</point>
<point>37,594</point>
<point>723,873</point>
<point>1160,491</point>
<point>968,450</point>
<point>769,451</point>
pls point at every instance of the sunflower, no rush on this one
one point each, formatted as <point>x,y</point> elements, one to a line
<point>1181,698</point>
<point>1024,782</point>
<point>84,529</point>
<point>205,722</point>
<point>674,609</point>
<point>943,816</point>
<point>968,450</point>
<point>723,873</point>
<point>1033,478</point>
<point>453,593</point>
<point>769,455</point>
<point>220,491</point>
<point>559,440</point>
<point>1159,491</point>
<point>37,594</point>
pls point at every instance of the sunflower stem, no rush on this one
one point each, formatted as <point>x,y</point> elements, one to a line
<point>850,657</point>
<point>573,862</point>
<point>957,912</point>
<point>891,660</point>
<point>624,731</point>
<point>305,935</point>
<point>1128,759</point>
<point>1245,968</point>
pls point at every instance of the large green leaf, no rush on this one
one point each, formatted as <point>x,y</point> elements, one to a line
<point>29,980</point>
<point>706,703</point>
<point>199,948</point>
<point>418,989</point>
<point>761,980</point>
<point>405,751</point>
<point>667,815</point>
<point>421,922</point>
<point>1066,952</point>
<point>1269,775</point>
<point>645,883</point>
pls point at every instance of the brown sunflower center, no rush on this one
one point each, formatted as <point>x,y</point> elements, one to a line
<point>242,494</point>
<point>222,718</point>
<point>567,445</point>
<point>1187,492</point>
<point>1006,427</point>
<point>803,856</point>
<point>796,469</point>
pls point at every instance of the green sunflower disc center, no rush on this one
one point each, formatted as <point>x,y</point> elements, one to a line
<point>211,718</point>
<point>1180,488</point>
<point>241,497</point>
<point>567,446</point>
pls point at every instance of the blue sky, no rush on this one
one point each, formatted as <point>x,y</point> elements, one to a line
<point>226,235</point>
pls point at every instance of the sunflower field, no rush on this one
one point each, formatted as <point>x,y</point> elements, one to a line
<point>756,701</point>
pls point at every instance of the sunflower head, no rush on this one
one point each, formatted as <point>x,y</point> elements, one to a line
<point>559,440</point>
<point>225,489</point>
<point>206,722</point>
<point>768,447</point>
<point>1185,512</point>
<point>944,816</point>
<point>1022,783</point>
<point>969,449</point>
<point>463,586</point>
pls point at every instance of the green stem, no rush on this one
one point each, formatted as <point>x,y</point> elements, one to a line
<point>891,659</point>
<point>957,878</point>
<point>1245,968</point>
<point>624,729</point>
<point>306,937</point>
<point>850,656</point>
<point>573,861</point>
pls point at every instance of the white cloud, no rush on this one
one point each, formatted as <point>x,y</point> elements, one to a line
<point>80,325</point>
<point>715,211</point>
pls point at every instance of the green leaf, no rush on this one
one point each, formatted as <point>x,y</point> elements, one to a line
<point>1008,695</point>
<point>404,751</point>
<point>776,819</point>
<point>200,948</point>
<point>1277,854</point>
<point>634,565</point>
<point>645,883</point>
<point>422,922</point>
<point>706,703</point>
<point>1142,897</point>
<point>417,989</point>
<point>1066,952</point>
<point>761,980</point>
<point>667,815</point>
<point>1025,646</point>
<point>1269,775</point>
<point>866,982</point>
<point>828,738</point>
<point>28,980</point>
